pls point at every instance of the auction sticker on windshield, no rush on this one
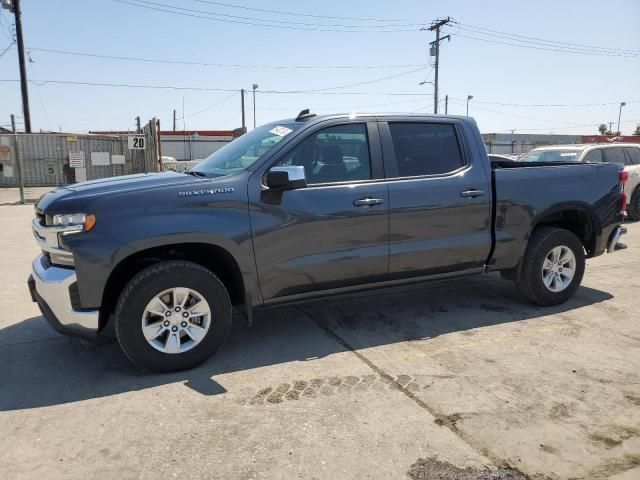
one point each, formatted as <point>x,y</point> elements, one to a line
<point>280,131</point>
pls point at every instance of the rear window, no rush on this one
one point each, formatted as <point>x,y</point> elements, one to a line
<point>568,155</point>
<point>594,156</point>
<point>425,148</point>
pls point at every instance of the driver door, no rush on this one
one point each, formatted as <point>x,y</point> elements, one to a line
<point>331,234</point>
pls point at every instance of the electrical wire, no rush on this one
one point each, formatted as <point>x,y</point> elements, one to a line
<point>6,49</point>
<point>535,47</point>
<point>207,16</point>
<point>281,12</point>
<point>211,107</point>
<point>229,65</point>
<point>555,105</point>
<point>488,31</point>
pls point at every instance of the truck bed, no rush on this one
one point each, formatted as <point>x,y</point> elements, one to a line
<point>526,195</point>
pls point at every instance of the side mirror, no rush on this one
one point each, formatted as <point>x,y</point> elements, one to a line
<point>286,178</point>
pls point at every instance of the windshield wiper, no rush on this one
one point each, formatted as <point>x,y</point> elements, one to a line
<point>195,173</point>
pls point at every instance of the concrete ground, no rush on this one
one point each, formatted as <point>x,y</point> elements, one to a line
<point>434,382</point>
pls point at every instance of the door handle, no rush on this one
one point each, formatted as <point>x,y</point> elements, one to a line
<point>472,193</point>
<point>367,202</point>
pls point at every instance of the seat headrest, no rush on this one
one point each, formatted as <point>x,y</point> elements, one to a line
<point>332,155</point>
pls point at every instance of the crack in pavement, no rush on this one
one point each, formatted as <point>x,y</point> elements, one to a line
<point>448,421</point>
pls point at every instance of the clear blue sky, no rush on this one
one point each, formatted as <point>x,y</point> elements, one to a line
<point>491,72</point>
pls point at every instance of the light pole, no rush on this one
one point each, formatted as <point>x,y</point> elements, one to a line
<point>255,86</point>
<point>469,97</point>
<point>425,82</point>
<point>622,104</point>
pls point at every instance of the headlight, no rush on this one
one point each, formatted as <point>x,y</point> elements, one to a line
<point>81,221</point>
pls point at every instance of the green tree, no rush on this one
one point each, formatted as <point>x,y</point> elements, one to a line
<point>603,129</point>
<point>637,132</point>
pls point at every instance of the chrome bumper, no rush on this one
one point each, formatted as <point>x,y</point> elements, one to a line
<point>615,238</point>
<point>50,288</point>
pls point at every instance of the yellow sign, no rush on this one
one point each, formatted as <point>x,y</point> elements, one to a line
<point>72,138</point>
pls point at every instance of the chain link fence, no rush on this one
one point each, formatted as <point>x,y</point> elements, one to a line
<point>31,164</point>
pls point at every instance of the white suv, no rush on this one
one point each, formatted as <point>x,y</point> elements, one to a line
<point>627,154</point>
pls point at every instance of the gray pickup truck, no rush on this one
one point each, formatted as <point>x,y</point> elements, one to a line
<point>305,207</point>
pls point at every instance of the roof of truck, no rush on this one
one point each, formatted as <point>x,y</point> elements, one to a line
<point>583,146</point>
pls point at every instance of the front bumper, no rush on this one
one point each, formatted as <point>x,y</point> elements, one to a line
<point>49,287</point>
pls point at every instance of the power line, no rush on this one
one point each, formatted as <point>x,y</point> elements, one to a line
<point>319,91</point>
<point>6,49</point>
<point>536,47</point>
<point>545,104</point>
<point>281,12</point>
<point>541,40</point>
<point>211,107</point>
<point>229,65</point>
<point>284,22</point>
<point>201,14</point>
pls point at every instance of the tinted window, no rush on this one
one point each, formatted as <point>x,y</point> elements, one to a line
<point>334,154</point>
<point>633,154</point>
<point>614,155</point>
<point>593,156</point>
<point>425,148</point>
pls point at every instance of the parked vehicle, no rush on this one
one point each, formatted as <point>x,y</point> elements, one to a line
<point>307,207</point>
<point>626,154</point>
<point>494,157</point>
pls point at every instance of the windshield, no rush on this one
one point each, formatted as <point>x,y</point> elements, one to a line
<point>244,151</point>
<point>568,155</point>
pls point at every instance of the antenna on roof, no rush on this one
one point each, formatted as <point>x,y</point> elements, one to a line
<point>304,115</point>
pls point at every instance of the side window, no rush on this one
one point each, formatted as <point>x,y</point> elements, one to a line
<point>614,155</point>
<point>594,156</point>
<point>425,148</point>
<point>334,154</point>
<point>633,154</point>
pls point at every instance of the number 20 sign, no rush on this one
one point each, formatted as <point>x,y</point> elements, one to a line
<point>137,142</point>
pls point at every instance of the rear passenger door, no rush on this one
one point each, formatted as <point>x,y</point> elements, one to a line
<point>439,201</point>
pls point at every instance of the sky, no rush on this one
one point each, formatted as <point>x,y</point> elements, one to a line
<point>509,55</point>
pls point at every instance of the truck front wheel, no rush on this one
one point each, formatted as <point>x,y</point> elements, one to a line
<point>552,267</point>
<point>172,316</point>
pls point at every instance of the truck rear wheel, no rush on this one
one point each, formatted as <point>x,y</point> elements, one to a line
<point>552,267</point>
<point>172,316</point>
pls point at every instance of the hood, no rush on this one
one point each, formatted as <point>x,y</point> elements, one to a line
<point>87,191</point>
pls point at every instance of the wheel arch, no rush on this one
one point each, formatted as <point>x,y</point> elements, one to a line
<point>211,256</point>
<point>578,218</point>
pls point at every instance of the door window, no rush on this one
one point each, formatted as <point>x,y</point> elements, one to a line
<point>425,148</point>
<point>594,156</point>
<point>614,155</point>
<point>633,155</point>
<point>333,154</point>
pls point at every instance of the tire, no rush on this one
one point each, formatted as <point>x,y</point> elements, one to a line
<point>633,209</point>
<point>543,242</point>
<point>165,286</point>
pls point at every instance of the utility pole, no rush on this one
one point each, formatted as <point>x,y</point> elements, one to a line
<point>611,127</point>
<point>469,97</point>
<point>622,104</point>
<point>254,104</point>
<point>446,104</point>
<point>174,119</point>
<point>244,124</point>
<point>16,149</point>
<point>14,6</point>
<point>436,25</point>
<point>138,125</point>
